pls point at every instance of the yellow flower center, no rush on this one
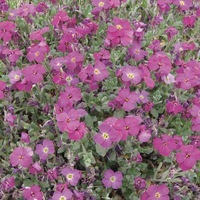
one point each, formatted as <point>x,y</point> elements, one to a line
<point>130,75</point>
<point>69,78</point>
<point>70,176</point>
<point>105,136</point>
<point>37,54</point>
<point>141,97</point>
<point>182,3</point>
<point>73,60</point>
<point>96,71</point>
<point>119,27</point>
<point>157,195</point>
<point>112,179</point>
<point>46,150</point>
<point>16,76</point>
<point>62,198</point>
<point>101,4</point>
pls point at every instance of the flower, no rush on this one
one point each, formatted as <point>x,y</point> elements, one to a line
<point>99,71</point>
<point>144,136</point>
<point>174,107</point>
<point>34,73</point>
<point>15,76</point>
<point>187,157</point>
<point>8,183</point>
<point>37,35</point>
<point>52,174</point>
<point>100,5</point>
<point>183,4</point>
<point>157,192</point>
<point>139,183</point>
<point>21,156</point>
<point>35,168</point>
<point>79,133</point>
<point>25,137</point>
<point>72,175</point>
<point>2,87</point>
<point>66,194</point>
<point>33,192</point>
<point>60,17</point>
<point>168,79</point>
<point>165,145</point>
<point>45,149</point>
<point>6,30</point>
<point>112,179</point>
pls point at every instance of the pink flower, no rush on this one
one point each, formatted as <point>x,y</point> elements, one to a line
<point>37,35</point>
<point>171,31</point>
<point>66,194</point>
<point>144,136</point>
<point>13,55</point>
<point>160,62</point>
<point>68,121</point>
<point>100,5</point>
<point>131,74</point>
<point>136,52</point>
<point>183,4</point>
<point>147,77</point>
<point>127,99</point>
<point>60,17</point>
<point>157,192</point>
<point>33,192</point>
<point>2,87</point>
<point>34,73</point>
<point>189,21</point>
<point>10,119</point>
<point>45,149</point>
<point>52,174</point>
<point>72,175</point>
<point>106,136</point>
<point>8,183</point>
<point>168,79</point>
<point>21,156</point>
<point>6,30</point>
<point>174,107</point>
<point>121,32</point>
<point>165,145</point>
<point>99,72</point>
<point>143,96</point>
<point>112,179</point>
<point>35,168</point>
<point>25,137</point>
<point>74,60</point>
<point>187,157</point>
<point>15,76</point>
<point>79,133</point>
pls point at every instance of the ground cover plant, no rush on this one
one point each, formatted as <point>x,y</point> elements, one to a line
<point>100,99</point>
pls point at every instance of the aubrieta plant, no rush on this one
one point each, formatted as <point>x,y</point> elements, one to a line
<point>100,99</point>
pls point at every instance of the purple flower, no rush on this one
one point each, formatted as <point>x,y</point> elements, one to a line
<point>21,156</point>
<point>45,149</point>
<point>112,179</point>
<point>139,183</point>
<point>32,193</point>
<point>72,175</point>
<point>8,183</point>
<point>66,194</point>
<point>15,76</point>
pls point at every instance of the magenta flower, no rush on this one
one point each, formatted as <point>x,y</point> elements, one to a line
<point>127,99</point>
<point>178,141</point>
<point>21,156</point>
<point>26,9</point>
<point>120,33</point>
<point>174,107</point>
<point>6,30</point>
<point>112,179</point>
<point>106,136</point>
<point>15,76</point>
<point>8,183</point>
<point>128,126</point>
<point>34,73</point>
<point>140,183</point>
<point>160,62</point>
<point>99,71</point>
<point>168,79</point>
<point>25,137</point>
<point>143,96</point>
<point>147,77</point>
<point>33,192</point>
<point>68,121</point>
<point>165,145</point>
<point>13,55</point>
<point>45,149</point>
<point>100,5</point>
<point>131,74</point>
<point>57,63</point>
<point>183,4</point>
<point>60,17</point>
<point>72,175</point>
<point>187,157</point>
<point>144,136</point>
<point>171,31</point>
<point>157,192</point>
<point>79,133</point>
<point>66,194</point>
<point>74,59</point>
<point>136,51</point>
<point>2,87</point>
<point>37,35</point>
<point>52,174</point>
<point>189,21</point>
